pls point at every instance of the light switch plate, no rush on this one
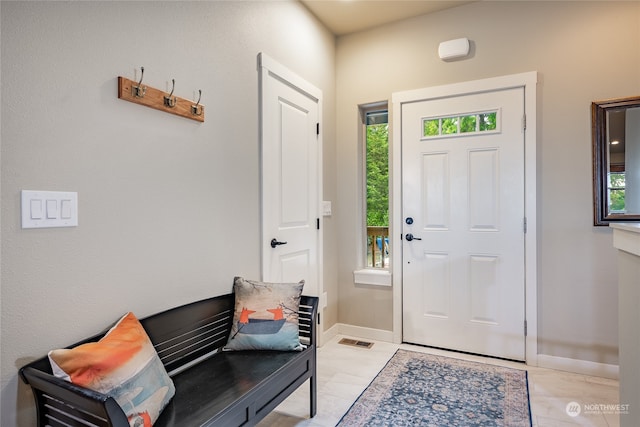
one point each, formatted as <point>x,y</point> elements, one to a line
<point>326,208</point>
<point>42,209</point>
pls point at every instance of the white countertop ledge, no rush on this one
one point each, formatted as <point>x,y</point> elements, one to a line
<point>626,237</point>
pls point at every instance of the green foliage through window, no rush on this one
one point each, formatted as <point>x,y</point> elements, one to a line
<point>464,123</point>
<point>378,175</point>
<point>487,121</point>
<point>432,127</point>
<point>377,188</point>
<point>468,124</point>
<point>616,192</point>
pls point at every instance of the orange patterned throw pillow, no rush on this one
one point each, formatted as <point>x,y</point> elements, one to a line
<point>123,364</point>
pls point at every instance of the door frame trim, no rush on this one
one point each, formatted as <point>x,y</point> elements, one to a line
<point>528,81</point>
<point>269,67</point>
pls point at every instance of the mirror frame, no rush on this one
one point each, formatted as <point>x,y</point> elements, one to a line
<point>599,109</point>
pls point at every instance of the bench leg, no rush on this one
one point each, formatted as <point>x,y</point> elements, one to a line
<point>313,396</point>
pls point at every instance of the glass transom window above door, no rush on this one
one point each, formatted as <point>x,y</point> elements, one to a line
<point>461,124</point>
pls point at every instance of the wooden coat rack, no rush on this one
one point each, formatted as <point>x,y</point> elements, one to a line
<point>136,92</point>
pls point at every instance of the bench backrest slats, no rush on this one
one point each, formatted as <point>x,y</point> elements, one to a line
<point>187,333</point>
<point>306,317</point>
<point>58,413</point>
<point>61,403</point>
<point>208,336</point>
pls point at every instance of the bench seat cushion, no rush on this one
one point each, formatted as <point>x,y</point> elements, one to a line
<point>231,387</point>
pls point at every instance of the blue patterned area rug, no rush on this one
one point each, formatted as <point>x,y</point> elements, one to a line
<point>417,389</point>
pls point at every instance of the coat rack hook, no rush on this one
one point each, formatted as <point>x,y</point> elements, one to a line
<point>194,108</point>
<point>139,91</point>
<point>168,101</point>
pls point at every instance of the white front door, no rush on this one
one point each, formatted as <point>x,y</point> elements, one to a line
<point>290,161</point>
<point>463,223</point>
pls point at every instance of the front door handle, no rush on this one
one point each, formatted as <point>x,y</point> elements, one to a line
<point>410,237</point>
<point>275,243</point>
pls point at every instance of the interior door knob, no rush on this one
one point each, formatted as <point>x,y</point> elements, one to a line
<point>410,237</point>
<point>275,243</point>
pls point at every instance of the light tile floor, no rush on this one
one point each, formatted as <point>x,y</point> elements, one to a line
<point>345,371</point>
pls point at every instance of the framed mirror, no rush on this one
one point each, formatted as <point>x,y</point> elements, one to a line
<point>615,127</point>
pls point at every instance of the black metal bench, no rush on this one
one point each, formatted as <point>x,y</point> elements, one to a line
<point>213,387</point>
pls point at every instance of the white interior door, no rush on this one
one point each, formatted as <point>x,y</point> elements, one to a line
<point>463,204</point>
<point>290,150</point>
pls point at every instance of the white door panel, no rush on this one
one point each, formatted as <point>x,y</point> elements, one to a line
<point>290,180</point>
<point>463,274</point>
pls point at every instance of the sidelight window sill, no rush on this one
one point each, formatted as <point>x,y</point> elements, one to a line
<point>371,276</point>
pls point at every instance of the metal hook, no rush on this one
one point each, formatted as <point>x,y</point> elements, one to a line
<point>194,108</point>
<point>139,91</point>
<point>168,102</point>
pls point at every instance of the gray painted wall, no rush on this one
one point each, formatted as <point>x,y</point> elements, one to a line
<point>168,207</point>
<point>583,51</point>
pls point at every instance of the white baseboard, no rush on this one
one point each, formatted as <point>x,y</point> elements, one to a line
<point>329,334</point>
<point>583,367</point>
<point>357,332</point>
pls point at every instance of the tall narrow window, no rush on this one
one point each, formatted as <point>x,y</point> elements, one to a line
<point>377,187</point>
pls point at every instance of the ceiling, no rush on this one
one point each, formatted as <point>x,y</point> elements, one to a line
<point>349,16</point>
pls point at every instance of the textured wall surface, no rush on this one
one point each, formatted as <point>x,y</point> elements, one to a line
<point>583,51</point>
<point>169,208</point>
